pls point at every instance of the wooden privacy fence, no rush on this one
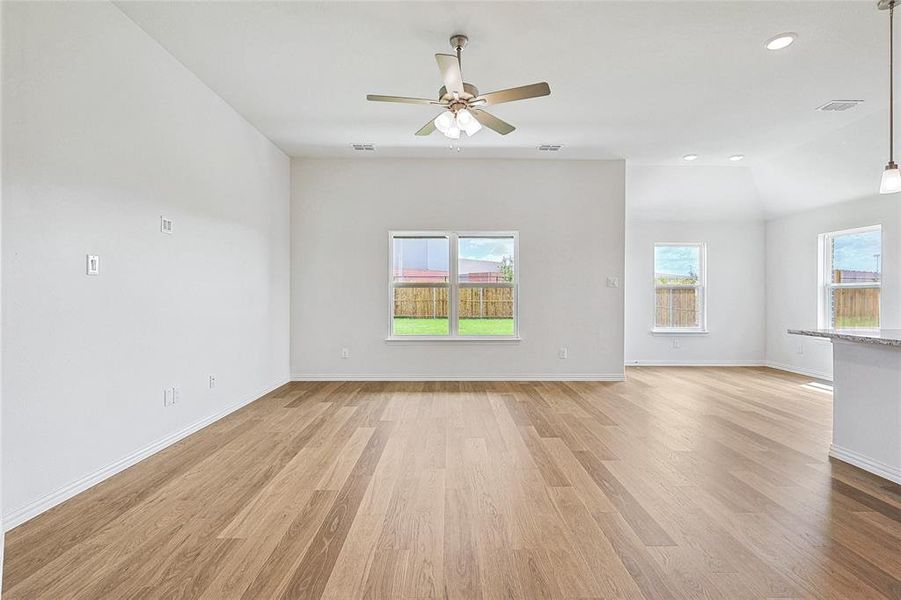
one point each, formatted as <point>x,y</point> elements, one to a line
<point>420,303</point>
<point>855,307</point>
<point>677,307</point>
<point>474,303</point>
<point>851,307</point>
<point>486,303</point>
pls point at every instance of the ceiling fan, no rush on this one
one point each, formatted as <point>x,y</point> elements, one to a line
<point>462,101</point>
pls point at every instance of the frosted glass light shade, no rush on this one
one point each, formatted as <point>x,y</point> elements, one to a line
<point>452,124</point>
<point>891,180</point>
<point>444,121</point>
<point>472,127</point>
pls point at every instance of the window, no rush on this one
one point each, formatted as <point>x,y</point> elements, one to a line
<point>850,278</point>
<point>680,281</point>
<point>453,285</point>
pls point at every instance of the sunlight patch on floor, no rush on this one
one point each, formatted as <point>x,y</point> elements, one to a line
<point>818,386</point>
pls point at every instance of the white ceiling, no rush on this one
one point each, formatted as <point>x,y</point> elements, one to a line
<point>647,82</point>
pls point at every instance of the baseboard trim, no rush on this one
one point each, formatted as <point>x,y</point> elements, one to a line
<point>696,363</point>
<point>867,464</point>
<point>799,370</point>
<point>20,515</point>
<point>510,377</point>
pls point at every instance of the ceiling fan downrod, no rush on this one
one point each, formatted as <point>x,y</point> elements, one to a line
<point>458,41</point>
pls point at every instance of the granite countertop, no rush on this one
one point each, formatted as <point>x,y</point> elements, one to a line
<point>879,337</point>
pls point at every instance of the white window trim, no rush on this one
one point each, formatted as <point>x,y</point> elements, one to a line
<point>824,277</point>
<point>453,286</point>
<point>701,329</point>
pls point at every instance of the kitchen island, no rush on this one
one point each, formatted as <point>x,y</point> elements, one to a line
<point>866,417</point>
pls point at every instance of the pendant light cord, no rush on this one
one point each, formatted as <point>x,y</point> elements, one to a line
<point>891,85</point>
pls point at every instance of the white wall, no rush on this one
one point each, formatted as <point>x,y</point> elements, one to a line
<point>570,217</point>
<point>104,132</point>
<point>792,277</point>
<point>2,528</point>
<point>735,293</point>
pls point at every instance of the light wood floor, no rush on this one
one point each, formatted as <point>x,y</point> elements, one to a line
<point>679,483</point>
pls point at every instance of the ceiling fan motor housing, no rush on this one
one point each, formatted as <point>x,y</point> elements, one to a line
<point>469,91</point>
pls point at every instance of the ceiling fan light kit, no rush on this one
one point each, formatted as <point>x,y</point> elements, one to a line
<point>451,124</point>
<point>461,101</point>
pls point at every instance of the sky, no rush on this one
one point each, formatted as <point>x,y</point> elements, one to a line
<point>676,260</point>
<point>493,249</point>
<point>855,251</point>
<point>432,253</point>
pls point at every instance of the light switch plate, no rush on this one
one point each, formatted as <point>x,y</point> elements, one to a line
<point>92,264</point>
<point>613,282</point>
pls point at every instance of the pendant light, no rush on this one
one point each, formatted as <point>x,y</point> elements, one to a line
<point>891,176</point>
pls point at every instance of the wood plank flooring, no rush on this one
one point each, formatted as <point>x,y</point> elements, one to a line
<point>679,483</point>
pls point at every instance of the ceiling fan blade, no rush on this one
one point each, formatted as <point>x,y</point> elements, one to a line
<point>535,90</point>
<point>450,73</point>
<point>492,122</point>
<point>428,128</point>
<point>402,99</point>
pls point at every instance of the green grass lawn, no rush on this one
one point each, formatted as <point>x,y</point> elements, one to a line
<point>440,327</point>
<point>856,322</point>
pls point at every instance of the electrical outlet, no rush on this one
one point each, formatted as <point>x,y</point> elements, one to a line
<point>212,381</point>
<point>176,394</point>
<point>345,353</point>
<point>563,353</point>
<point>675,342</point>
<point>165,225</point>
<point>92,264</point>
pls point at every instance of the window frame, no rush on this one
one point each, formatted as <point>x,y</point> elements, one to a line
<point>701,288</point>
<point>825,286</point>
<point>453,285</point>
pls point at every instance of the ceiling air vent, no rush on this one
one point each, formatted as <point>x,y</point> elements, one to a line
<point>839,105</point>
<point>364,147</point>
<point>550,148</point>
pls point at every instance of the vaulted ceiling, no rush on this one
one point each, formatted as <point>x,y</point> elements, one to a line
<point>647,82</point>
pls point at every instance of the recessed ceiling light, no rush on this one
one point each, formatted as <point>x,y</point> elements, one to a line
<point>783,40</point>
<point>736,157</point>
<point>690,157</point>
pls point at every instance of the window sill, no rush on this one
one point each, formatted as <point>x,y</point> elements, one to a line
<point>679,332</point>
<point>468,338</point>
